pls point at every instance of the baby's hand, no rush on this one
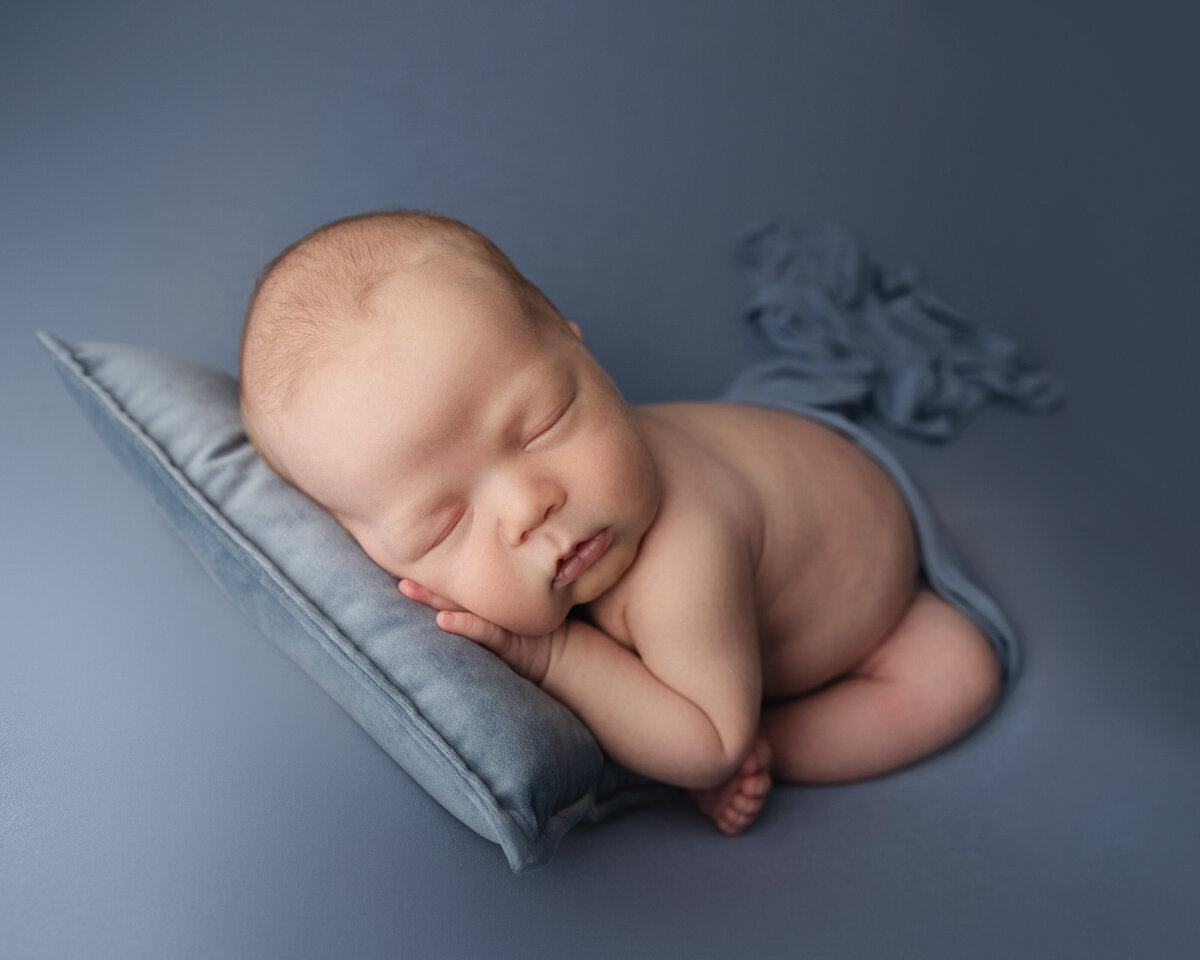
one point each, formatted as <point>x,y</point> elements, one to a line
<point>528,656</point>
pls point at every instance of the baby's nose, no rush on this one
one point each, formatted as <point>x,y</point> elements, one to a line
<point>526,506</point>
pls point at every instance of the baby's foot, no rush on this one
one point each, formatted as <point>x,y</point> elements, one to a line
<point>734,804</point>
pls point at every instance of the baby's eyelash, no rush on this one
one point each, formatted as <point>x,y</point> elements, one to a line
<point>554,420</point>
<point>449,529</point>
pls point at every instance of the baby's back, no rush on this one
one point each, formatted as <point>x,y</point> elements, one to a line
<point>827,530</point>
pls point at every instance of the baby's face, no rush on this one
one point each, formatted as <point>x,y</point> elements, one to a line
<point>491,461</point>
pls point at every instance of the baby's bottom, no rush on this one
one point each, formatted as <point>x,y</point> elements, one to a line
<point>927,682</point>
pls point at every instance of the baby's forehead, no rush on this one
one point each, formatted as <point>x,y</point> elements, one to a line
<point>433,365</point>
<point>434,321</point>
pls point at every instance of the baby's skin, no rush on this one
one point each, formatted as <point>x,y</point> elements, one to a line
<point>726,595</point>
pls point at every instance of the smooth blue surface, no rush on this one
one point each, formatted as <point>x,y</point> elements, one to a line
<point>188,792</point>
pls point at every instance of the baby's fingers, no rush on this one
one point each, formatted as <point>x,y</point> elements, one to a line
<point>414,591</point>
<point>474,627</point>
<point>528,656</point>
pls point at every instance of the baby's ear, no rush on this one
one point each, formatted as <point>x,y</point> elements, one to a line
<point>574,327</point>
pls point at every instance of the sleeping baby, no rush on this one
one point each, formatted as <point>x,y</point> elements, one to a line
<point>725,595</point>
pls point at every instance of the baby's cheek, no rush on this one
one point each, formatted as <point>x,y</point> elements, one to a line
<point>515,607</point>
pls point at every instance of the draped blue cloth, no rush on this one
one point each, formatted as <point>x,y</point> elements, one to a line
<point>847,334</point>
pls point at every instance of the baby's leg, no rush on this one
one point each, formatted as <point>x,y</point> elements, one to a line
<point>930,680</point>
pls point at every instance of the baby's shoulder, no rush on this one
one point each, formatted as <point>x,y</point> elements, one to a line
<point>703,547</point>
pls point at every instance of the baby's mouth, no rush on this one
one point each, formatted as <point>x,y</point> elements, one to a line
<point>586,553</point>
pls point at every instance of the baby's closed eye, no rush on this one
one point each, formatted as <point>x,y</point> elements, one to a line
<point>548,425</point>
<point>450,526</point>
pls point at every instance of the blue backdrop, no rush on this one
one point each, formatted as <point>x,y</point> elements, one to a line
<point>171,786</point>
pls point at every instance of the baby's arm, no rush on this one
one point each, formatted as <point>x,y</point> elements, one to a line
<point>684,709</point>
<point>684,721</point>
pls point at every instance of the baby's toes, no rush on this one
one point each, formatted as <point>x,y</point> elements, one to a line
<point>732,822</point>
<point>757,785</point>
<point>745,805</point>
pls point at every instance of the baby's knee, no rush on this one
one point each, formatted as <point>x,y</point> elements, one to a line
<point>971,675</point>
<point>943,676</point>
<point>953,666</point>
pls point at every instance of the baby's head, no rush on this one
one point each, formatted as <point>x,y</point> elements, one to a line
<point>398,369</point>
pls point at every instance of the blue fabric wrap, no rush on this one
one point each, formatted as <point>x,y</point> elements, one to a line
<point>846,337</point>
<point>504,757</point>
<point>843,332</point>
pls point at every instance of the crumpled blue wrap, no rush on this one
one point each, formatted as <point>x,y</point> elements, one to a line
<point>847,334</point>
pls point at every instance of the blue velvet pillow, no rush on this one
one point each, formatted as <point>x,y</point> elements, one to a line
<point>504,757</point>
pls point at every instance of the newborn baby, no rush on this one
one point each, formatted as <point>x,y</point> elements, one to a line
<point>724,594</point>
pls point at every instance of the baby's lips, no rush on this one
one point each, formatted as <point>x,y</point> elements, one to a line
<point>583,556</point>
